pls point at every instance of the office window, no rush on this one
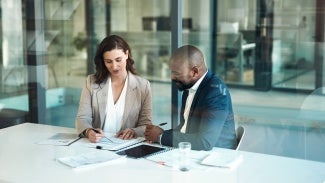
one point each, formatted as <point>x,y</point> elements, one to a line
<point>280,58</point>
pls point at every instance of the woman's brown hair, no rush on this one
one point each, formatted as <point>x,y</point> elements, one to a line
<point>108,44</point>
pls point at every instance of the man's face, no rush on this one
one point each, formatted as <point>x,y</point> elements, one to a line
<point>182,75</point>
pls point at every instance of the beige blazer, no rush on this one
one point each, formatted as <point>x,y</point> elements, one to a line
<point>93,99</point>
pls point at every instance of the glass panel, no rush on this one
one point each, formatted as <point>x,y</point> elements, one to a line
<point>13,71</point>
<point>294,45</point>
<point>235,40</point>
<point>66,41</point>
<point>196,26</point>
<point>148,33</point>
<point>287,123</point>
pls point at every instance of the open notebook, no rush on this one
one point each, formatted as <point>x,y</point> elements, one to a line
<point>200,159</point>
<point>114,144</point>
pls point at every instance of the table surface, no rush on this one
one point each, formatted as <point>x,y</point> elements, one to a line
<point>22,160</point>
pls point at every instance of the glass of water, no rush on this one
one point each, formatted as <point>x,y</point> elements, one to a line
<point>184,155</point>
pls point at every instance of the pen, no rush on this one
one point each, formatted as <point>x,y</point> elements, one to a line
<point>162,124</point>
<point>158,162</point>
<point>97,131</point>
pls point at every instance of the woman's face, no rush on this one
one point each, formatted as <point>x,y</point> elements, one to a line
<point>115,61</point>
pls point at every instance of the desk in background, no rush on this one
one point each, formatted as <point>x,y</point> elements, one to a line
<point>235,54</point>
<point>21,160</point>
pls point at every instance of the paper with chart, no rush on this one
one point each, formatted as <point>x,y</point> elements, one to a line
<point>109,142</point>
<point>89,159</point>
<point>60,139</point>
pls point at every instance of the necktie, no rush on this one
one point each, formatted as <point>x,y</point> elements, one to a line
<point>184,98</point>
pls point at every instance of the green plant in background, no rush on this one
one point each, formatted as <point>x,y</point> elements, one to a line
<point>80,41</point>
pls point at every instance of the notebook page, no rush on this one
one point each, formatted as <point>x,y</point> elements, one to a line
<point>170,158</point>
<point>113,143</point>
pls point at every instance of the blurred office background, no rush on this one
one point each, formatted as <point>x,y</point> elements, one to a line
<point>269,52</point>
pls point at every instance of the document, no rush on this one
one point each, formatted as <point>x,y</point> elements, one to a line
<point>60,139</point>
<point>202,160</point>
<point>170,158</point>
<point>109,142</point>
<point>89,159</point>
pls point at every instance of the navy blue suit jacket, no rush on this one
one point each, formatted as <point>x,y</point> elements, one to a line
<point>211,119</point>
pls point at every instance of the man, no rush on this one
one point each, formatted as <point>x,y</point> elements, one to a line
<point>207,118</point>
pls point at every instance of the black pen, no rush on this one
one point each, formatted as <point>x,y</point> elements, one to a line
<point>162,124</point>
<point>97,131</point>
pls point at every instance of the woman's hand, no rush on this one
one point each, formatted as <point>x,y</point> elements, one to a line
<point>126,134</point>
<point>94,135</point>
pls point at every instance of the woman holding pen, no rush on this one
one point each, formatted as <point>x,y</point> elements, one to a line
<point>114,99</point>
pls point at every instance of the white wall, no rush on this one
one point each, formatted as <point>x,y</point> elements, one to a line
<point>118,15</point>
<point>199,11</point>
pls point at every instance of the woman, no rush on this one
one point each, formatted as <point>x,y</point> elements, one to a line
<point>114,99</point>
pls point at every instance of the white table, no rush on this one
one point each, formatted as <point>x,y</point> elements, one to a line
<point>21,160</point>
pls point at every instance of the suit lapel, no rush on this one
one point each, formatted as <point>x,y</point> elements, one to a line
<point>101,96</point>
<point>196,99</point>
<point>130,97</point>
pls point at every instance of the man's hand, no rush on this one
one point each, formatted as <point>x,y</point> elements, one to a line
<point>152,133</point>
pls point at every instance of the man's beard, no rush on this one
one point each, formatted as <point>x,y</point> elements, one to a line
<point>181,86</point>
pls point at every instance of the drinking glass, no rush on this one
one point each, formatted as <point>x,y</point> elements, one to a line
<point>184,155</point>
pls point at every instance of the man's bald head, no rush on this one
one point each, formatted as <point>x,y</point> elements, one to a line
<point>187,66</point>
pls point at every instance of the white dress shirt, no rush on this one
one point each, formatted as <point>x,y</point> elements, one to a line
<point>114,112</point>
<point>189,101</point>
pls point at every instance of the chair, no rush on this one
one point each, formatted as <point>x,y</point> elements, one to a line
<point>240,132</point>
<point>10,117</point>
<point>229,47</point>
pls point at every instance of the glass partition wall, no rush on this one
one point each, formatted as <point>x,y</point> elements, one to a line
<point>258,47</point>
<point>271,46</point>
<point>145,24</point>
